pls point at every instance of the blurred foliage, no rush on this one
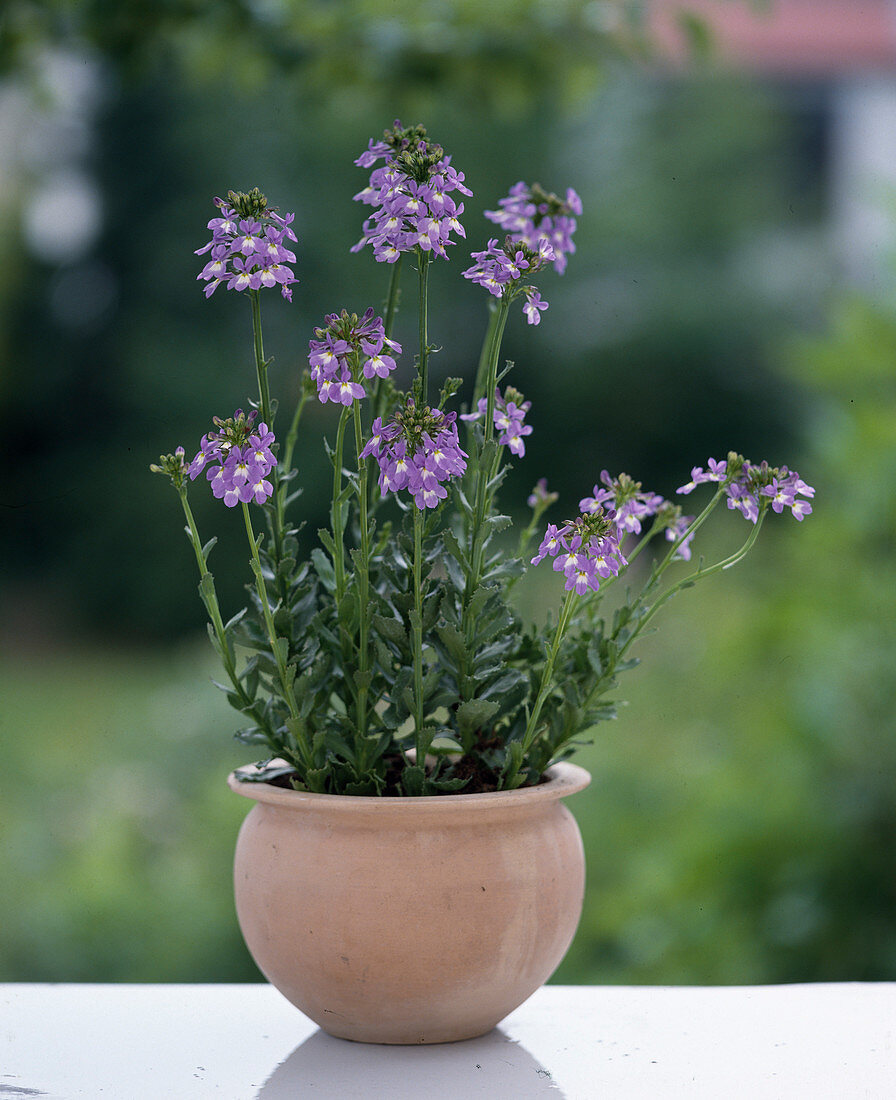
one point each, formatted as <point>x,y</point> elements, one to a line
<point>126,864</point>
<point>491,52</point>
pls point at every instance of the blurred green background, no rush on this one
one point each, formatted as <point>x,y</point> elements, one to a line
<point>741,826</point>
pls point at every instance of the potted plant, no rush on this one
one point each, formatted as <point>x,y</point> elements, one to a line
<point>408,872</point>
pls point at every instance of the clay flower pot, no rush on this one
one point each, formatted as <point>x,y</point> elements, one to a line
<point>410,920</point>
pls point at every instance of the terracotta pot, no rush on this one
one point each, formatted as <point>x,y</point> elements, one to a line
<point>410,920</point>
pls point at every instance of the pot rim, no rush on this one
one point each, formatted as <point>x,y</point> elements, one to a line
<point>563,779</point>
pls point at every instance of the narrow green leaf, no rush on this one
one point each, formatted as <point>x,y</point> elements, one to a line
<point>326,538</point>
<point>324,568</point>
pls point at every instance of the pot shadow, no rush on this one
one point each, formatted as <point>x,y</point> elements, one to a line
<point>492,1066</point>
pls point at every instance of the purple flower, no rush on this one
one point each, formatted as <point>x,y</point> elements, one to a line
<point>531,215</point>
<point>586,550</point>
<point>508,414</point>
<point>630,504</point>
<point>248,249</point>
<point>500,270</point>
<point>534,305</point>
<point>676,530</point>
<point>347,349</point>
<point>746,484</point>
<point>540,498</point>
<point>631,507</point>
<point>237,459</point>
<point>717,471</point>
<point>417,450</point>
<point>412,194</point>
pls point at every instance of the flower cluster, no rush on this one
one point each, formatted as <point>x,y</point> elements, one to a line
<point>247,246</point>
<point>417,450</point>
<point>499,268</point>
<point>586,550</point>
<point>631,506</point>
<point>345,350</point>
<point>237,459</point>
<point>745,485</point>
<point>412,193</point>
<point>508,414</point>
<point>531,214</point>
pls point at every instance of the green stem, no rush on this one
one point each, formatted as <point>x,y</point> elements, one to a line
<point>485,353</point>
<point>393,297</point>
<point>697,575</point>
<point>547,678</point>
<point>261,367</point>
<point>417,625</point>
<point>694,527</point>
<point>491,382</point>
<point>275,509</point>
<point>290,445</point>
<point>363,588</point>
<point>337,512</point>
<point>423,259</point>
<point>486,470</point>
<point>210,599</point>
<point>278,645</point>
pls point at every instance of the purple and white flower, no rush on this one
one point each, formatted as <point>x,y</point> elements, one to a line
<point>632,506</point>
<point>417,450</point>
<point>413,196</point>
<point>500,269</point>
<point>746,484</point>
<point>530,214</point>
<point>585,550</point>
<point>248,249</point>
<point>508,414</point>
<point>347,349</point>
<point>237,459</point>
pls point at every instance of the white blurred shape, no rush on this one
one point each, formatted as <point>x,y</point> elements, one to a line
<point>63,218</point>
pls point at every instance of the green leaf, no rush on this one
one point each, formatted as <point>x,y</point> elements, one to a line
<point>413,779</point>
<point>250,735</point>
<point>391,629</point>
<point>324,568</point>
<point>454,642</point>
<point>472,714</point>
<point>286,568</point>
<point>497,523</point>
<point>348,609</point>
<point>479,599</point>
<point>465,506</point>
<point>316,780</point>
<point>512,765</point>
<point>362,679</point>
<point>454,548</point>
<point>327,539</point>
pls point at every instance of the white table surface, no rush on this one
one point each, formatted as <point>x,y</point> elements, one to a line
<point>180,1042</point>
